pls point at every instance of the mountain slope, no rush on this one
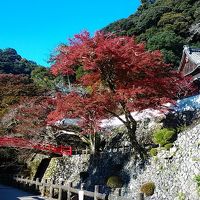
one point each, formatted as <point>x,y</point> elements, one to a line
<point>163,24</point>
<point>12,63</point>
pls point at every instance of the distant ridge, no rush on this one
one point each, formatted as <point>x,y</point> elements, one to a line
<point>12,63</point>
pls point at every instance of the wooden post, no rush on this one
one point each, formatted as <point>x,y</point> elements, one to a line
<point>31,182</point>
<point>60,190</point>
<point>17,181</point>
<point>37,184</point>
<point>82,185</point>
<point>141,196</point>
<point>81,192</point>
<point>51,190</point>
<point>26,185</point>
<point>96,190</point>
<point>118,192</point>
<point>68,191</point>
<point>20,182</point>
<point>123,150</point>
<point>43,187</point>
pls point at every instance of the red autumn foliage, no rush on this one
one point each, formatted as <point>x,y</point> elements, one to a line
<point>122,77</point>
<point>31,116</point>
<point>24,107</point>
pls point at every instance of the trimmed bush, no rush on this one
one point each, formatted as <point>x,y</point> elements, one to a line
<point>168,146</point>
<point>163,136</point>
<point>114,182</point>
<point>148,188</point>
<point>153,152</point>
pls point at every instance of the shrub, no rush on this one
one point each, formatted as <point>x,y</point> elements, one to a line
<point>168,146</point>
<point>114,182</point>
<point>163,136</point>
<point>197,179</point>
<point>153,152</point>
<point>148,188</point>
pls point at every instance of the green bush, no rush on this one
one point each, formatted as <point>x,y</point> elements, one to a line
<point>163,136</point>
<point>197,179</point>
<point>153,152</point>
<point>168,146</point>
<point>148,188</point>
<point>114,182</point>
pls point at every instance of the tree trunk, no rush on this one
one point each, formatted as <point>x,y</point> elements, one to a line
<point>93,143</point>
<point>131,128</point>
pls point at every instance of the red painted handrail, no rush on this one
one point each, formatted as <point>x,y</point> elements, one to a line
<point>28,144</point>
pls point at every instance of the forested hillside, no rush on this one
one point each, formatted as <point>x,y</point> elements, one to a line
<point>12,63</point>
<point>163,24</point>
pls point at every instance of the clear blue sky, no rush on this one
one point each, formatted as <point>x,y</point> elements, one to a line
<point>36,27</point>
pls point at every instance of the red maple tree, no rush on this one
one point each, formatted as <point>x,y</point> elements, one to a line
<point>119,76</point>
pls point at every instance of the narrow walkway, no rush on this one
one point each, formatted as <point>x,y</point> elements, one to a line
<point>9,193</point>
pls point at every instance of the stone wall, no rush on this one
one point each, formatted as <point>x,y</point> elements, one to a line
<point>67,168</point>
<point>174,171</point>
<point>33,163</point>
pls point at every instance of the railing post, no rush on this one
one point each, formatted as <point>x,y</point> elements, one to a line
<point>26,186</point>
<point>20,181</point>
<point>51,190</point>
<point>141,196</point>
<point>17,181</point>
<point>37,184</point>
<point>81,192</point>
<point>68,190</point>
<point>96,190</point>
<point>118,191</point>
<point>60,190</point>
<point>43,187</point>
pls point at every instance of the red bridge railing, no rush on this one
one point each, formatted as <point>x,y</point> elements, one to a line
<point>28,144</point>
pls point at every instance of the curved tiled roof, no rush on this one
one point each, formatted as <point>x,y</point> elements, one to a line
<point>193,55</point>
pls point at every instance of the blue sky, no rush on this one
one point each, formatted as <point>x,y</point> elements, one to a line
<point>36,27</point>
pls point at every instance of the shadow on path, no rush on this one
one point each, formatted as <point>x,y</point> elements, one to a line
<point>9,193</point>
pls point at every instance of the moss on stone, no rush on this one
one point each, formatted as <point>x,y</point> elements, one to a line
<point>33,164</point>
<point>114,182</point>
<point>148,188</point>
<point>153,152</point>
<point>181,196</point>
<point>52,168</point>
<point>168,146</point>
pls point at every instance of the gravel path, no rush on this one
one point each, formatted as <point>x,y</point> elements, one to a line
<point>9,193</point>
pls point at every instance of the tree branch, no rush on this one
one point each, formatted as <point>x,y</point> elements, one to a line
<point>115,115</point>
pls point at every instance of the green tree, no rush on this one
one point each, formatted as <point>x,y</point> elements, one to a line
<point>161,16</point>
<point>169,43</point>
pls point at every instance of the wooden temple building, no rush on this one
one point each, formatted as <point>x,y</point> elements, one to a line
<point>190,63</point>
